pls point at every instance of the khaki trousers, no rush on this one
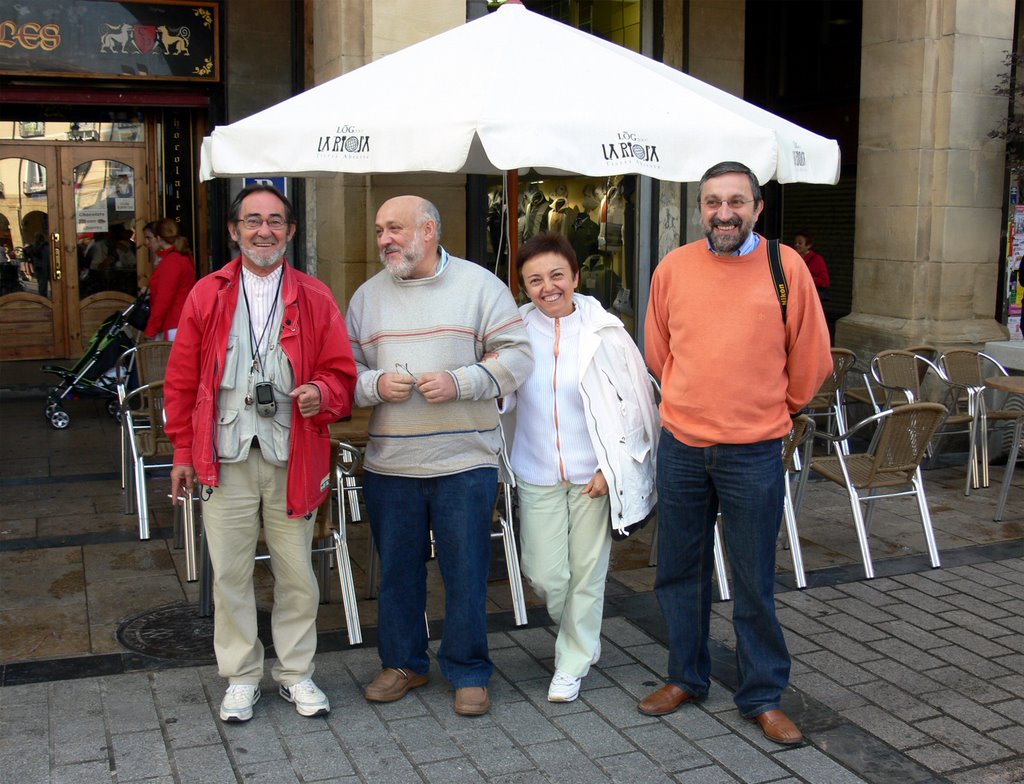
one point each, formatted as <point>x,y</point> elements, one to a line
<point>248,492</point>
<point>566,538</point>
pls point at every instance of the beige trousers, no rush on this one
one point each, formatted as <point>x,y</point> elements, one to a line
<point>249,492</point>
<point>566,538</point>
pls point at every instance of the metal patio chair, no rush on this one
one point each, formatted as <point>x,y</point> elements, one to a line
<point>892,461</point>
<point>148,447</point>
<point>969,369</point>
<point>828,400</point>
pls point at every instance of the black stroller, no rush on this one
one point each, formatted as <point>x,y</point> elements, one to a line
<point>92,375</point>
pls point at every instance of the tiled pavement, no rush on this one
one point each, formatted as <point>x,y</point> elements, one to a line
<point>916,676</point>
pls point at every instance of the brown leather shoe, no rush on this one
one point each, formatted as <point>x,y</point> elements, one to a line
<point>665,700</point>
<point>777,727</point>
<point>472,701</point>
<point>393,683</point>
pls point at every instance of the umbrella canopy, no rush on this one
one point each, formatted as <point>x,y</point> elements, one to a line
<point>470,101</point>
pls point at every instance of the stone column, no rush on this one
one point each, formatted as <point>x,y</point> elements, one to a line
<point>929,180</point>
<point>347,34</point>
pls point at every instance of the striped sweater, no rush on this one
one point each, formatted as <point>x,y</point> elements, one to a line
<point>446,322</point>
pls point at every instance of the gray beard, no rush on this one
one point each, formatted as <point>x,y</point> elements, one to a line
<point>263,260</point>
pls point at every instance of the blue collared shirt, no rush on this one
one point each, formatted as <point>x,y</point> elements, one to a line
<point>748,245</point>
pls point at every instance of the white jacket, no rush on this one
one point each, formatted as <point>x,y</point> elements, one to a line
<point>621,414</point>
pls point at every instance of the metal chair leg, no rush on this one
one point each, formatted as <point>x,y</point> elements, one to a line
<point>723,580</point>
<point>926,519</point>
<point>348,589</point>
<point>1011,463</point>
<point>515,577</point>
<point>794,538</point>
<point>862,534</point>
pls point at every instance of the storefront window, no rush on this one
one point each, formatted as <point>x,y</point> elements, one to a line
<point>130,130</point>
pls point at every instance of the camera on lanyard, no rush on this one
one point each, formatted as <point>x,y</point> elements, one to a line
<point>266,406</point>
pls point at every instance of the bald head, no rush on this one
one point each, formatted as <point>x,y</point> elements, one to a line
<point>408,232</point>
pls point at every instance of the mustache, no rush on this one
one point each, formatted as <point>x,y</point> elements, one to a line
<point>716,222</point>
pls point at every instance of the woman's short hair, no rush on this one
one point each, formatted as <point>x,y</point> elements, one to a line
<point>547,242</point>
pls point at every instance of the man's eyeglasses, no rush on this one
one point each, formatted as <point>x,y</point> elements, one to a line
<point>735,203</point>
<point>275,222</point>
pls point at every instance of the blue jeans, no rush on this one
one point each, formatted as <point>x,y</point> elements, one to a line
<point>746,482</point>
<point>458,509</point>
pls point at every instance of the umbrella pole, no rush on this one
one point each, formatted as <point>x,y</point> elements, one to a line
<point>512,205</point>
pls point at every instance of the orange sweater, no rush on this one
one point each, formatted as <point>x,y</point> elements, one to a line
<point>731,372</point>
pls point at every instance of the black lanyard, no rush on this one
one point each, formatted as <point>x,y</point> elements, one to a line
<point>254,342</point>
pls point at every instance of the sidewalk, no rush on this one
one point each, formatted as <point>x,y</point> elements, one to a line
<point>916,676</point>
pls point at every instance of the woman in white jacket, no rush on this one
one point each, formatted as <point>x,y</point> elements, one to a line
<point>583,451</point>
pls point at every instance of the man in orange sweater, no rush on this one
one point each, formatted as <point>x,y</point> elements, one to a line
<point>734,369</point>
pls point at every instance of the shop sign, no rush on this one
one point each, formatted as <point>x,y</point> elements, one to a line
<point>154,40</point>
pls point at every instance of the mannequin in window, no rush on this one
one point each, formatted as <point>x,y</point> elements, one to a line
<point>536,219</point>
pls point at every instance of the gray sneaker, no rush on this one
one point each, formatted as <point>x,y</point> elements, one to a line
<point>238,701</point>
<point>307,698</point>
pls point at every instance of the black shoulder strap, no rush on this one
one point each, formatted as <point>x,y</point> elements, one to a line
<point>778,276</point>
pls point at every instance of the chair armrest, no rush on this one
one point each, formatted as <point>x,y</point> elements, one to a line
<point>874,418</point>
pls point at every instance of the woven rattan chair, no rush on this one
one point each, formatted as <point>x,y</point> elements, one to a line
<point>893,461</point>
<point>969,369</point>
<point>828,401</point>
<point>870,394</point>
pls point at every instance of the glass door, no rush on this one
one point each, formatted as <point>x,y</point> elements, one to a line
<point>69,218</point>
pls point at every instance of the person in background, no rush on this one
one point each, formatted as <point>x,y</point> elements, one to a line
<point>174,275</point>
<point>803,243</point>
<point>731,381</point>
<point>260,367</point>
<point>437,339</point>
<point>583,452</point>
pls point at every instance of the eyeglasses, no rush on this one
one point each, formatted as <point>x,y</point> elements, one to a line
<point>275,222</point>
<point>735,203</point>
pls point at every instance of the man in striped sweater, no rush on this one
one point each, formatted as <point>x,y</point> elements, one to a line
<point>437,340</point>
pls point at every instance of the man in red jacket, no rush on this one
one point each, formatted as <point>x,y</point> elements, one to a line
<point>260,366</point>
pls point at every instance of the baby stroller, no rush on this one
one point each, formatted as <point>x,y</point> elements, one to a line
<point>92,375</point>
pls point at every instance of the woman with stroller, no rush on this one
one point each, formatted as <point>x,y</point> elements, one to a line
<point>583,451</point>
<point>174,274</point>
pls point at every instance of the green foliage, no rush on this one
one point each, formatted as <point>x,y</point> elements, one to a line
<point>1011,86</point>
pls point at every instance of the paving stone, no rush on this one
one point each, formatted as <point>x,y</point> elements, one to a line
<point>1012,737</point>
<point>80,773</point>
<point>744,761</point>
<point>517,665</point>
<point>562,762</point>
<point>963,739</point>
<point>849,649</point>
<point>800,623</point>
<point>268,772</point>
<point>861,610</point>
<point>896,701</point>
<point>455,771</point>
<point>876,593</point>
<point>970,662</point>
<point>813,766</point>
<point>624,633</point>
<point>998,628</point>
<point>903,676</point>
<point>595,736</point>
<point>907,654</point>
<point>318,756</point>
<point>967,710</point>
<point>838,668</point>
<point>939,758</point>
<point>922,601</point>
<point>494,752</point>
<point>979,689</point>
<point>712,774</point>
<point>913,635</point>
<point>917,617</point>
<point>667,748</point>
<point>697,722</point>
<point>522,721</point>
<point>980,606</point>
<point>632,768</point>
<point>798,644</point>
<point>190,725</point>
<point>539,642</point>
<point>1010,772</point>
<point>128,703</point>
<point>381,763</point>
<point>885,726</point>
<point>140,755</point>
<point>974,642</point>
<point>853,627</point>
<point>1012,709</point>
<point>827,691</point>
<point>253,741</point>
<point>204,765</point>
<point>616,706</point>
<point>423,739</point>
<point>655,656</point>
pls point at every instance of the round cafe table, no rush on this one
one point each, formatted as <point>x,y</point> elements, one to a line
<point>1013,385</point>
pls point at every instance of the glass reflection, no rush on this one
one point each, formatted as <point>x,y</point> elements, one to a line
<point>104,223</point>
<point>24,228</point>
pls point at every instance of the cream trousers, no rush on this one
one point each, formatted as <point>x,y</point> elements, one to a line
<point>566,540</point>
<point>249,492</point>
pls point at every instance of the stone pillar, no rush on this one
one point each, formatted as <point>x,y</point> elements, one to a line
<point>347,34</point>
<point>929,180</point>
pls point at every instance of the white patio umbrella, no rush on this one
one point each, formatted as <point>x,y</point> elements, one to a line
<point>469,100</point>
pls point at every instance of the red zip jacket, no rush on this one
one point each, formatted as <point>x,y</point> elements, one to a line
<point>314,338</point>
<point>172,280</point>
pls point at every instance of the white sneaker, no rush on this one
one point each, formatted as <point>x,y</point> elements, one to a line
<point>307,698</point>
<point>238,701</point>
<point>597,653</point>
<point>563,688</point>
